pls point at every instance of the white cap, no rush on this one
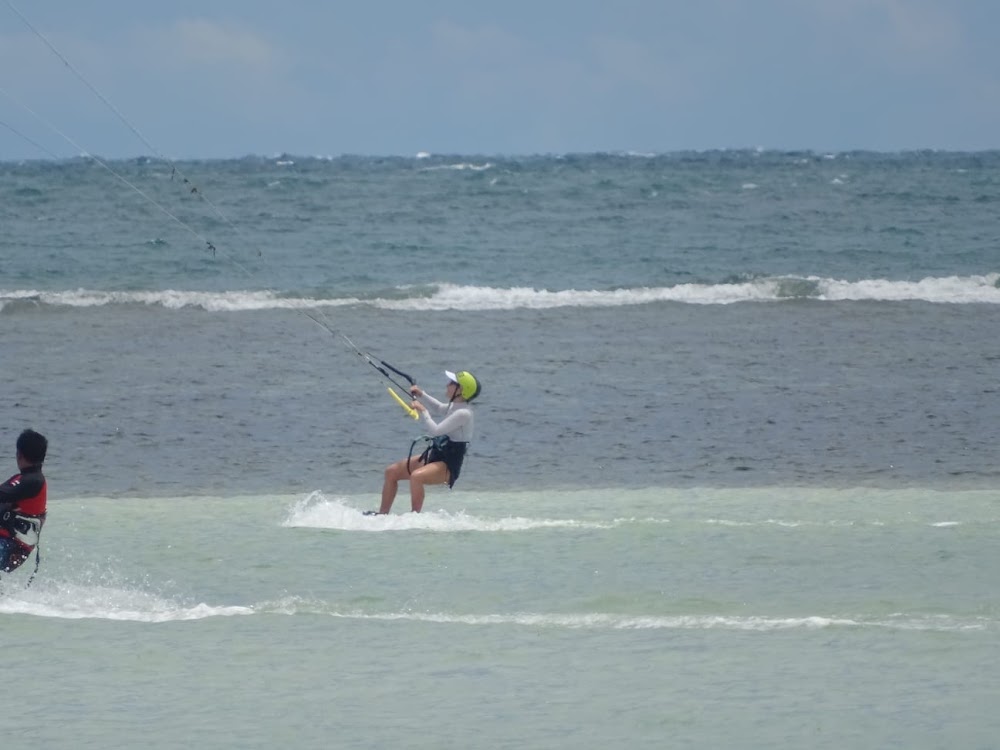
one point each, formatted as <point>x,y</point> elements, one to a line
<point>451,376</point>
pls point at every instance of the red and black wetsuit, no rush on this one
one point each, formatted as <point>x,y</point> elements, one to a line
<point>22,513</point>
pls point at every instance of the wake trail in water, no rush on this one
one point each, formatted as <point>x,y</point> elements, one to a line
<point>94,601</point>
<point>317,511</point>
<point>75,601</point>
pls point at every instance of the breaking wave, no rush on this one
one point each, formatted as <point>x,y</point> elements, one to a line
<point>984,289</point>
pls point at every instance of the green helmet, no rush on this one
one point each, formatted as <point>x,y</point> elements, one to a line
<point>467,383</point>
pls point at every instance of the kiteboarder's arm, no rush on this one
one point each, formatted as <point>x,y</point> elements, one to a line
<point>450,425</point>
<point>11,492</point>
<point>430,403</point>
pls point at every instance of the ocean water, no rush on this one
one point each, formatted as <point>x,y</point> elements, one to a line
<point>734,482</point>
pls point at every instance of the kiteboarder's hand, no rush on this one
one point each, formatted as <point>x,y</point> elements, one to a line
<point>416,390</point>
<point>418,406</point>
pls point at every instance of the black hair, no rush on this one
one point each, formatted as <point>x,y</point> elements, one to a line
<point>32,445</point>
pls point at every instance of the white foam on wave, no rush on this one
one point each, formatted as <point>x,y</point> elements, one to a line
<point>950,289</point>
<point>984,289</point>
<point>953,289</point>
<point>317,511</point>
<point>460,167</point>
<point>107,601</point>
<point>233,301</point>
<point>456,297</point>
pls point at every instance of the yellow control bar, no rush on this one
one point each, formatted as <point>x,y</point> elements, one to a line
<point>406,407</point>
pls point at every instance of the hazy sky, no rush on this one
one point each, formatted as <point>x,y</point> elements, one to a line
<point>220,78</point>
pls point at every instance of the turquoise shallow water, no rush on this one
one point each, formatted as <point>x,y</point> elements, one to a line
<point>745,618</point>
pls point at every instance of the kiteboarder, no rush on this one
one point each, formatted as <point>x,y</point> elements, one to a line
<point>22,502</point>
<point>449,438</point>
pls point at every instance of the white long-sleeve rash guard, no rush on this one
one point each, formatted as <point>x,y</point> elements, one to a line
<point>457,423</point>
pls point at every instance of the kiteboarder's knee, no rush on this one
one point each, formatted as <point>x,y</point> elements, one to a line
<point>396,471</point>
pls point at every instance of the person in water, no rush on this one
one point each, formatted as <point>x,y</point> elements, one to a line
<point>22,502</point>
<point>442,461</point>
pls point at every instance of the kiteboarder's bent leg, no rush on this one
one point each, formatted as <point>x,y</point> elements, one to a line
<point>394,474</point>
<point>432,473</point>
<point>419,474</point>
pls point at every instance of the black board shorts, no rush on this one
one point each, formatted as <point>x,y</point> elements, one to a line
<point>449,451</point>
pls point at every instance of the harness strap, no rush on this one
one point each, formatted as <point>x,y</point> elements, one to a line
<point>9,520</point>
<point>422,438</point>
<point>439,442</point>
<point>38,560</point>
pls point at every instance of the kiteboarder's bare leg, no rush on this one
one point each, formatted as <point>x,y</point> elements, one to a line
<point>394,474</point>
<point>432,473</point>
